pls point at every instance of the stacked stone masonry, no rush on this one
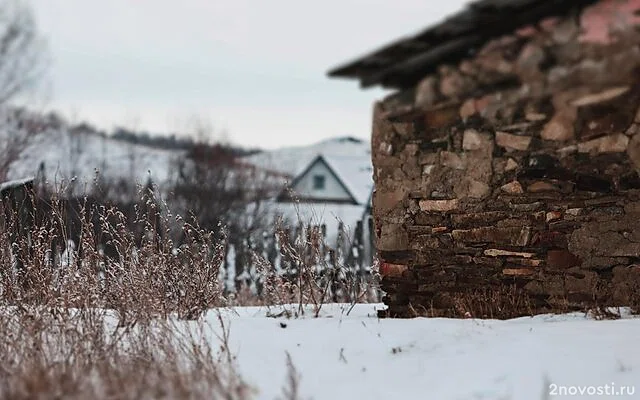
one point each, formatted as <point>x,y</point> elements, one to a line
<point>517,168</point>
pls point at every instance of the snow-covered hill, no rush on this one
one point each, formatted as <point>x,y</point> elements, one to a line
<point>61,154</point>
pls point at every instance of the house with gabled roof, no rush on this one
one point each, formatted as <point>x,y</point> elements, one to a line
<point>330,185</point>
<point>332,179</point>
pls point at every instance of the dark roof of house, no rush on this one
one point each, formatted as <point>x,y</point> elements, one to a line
<point>403,63</point>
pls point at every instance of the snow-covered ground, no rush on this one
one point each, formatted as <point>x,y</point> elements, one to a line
<point>359,356</point>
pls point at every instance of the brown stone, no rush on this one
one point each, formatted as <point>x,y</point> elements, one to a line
<point>480,218</point>
<point>385,148</point>
<point>633,151</point>
<point>513,222</point>
<point>535,116</point>
<point>565,31</point>
<point>562,259</point>
<point>411,149</point>
<point>478,190</point>
<point>511,165</point>
<point>452,160</point>
<point>426,92</point>
<point>488,261</point>
<point>553,215</point>
<point>498,253</point>
<point>385,201</point>
<point>603,96</point>
<point>392,270</point>
<point>604,262</point>
<point>526,207</point>
<point>474,140</point>
<point>514,142</point>
<point>442,117</point>
<point>468,109</point>
<point>510,236</point>
<point>616,143</point>
<point>530,59</point>
<point>518,271</point>
<point>583,282</point>
<point>524,237</point>
<point>632,129</point>
<point>438,205</point>
<point>404,129</point>
<point>428,158</point>
<point>427,169</point>
<point>565,151</point>
<point>526,31</point>
<point>513,187</point>
<point>429,218</point>
<point>549,239</point>
<point>540,186</point>
<point>561,126</point>
<point>393,237</point>
<point>527,262</point>
<point>573,212</point>
<point>453,84</point>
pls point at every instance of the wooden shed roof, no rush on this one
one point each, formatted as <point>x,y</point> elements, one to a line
<point>404,62</point>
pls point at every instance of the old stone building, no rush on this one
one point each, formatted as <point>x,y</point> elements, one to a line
<point>506,161</point>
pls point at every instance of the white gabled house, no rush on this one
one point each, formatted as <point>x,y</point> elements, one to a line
<point>332,179</point>
<point>330,185</point>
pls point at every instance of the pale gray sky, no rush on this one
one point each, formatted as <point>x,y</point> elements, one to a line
<point>254,68</point>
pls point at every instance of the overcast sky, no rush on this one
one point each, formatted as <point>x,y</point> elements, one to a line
<point>255,69</point>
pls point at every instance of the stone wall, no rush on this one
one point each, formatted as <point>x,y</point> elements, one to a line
<point>512,178</point>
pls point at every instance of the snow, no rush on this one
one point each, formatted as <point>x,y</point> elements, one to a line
<point>340,356</point>
<point>78,156</point>
<point>15,183</point>
<point>294,160</point>
<point>356,172</point>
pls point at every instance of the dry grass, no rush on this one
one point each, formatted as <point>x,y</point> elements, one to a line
<point>81,353</point>
<point>99,320</point>
<point>84,325</point>
<point>314,275</point>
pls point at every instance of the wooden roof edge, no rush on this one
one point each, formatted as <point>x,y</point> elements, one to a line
<point>375,67</point>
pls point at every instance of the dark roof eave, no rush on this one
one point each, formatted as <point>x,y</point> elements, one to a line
<point>403,62</point>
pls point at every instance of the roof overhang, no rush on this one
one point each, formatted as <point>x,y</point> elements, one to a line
<point>404,62</point>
